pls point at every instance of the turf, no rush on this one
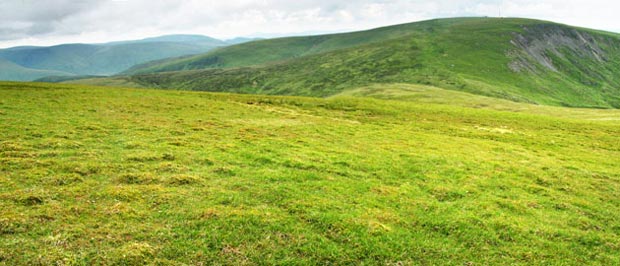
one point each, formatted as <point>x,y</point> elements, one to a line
<point>107,176</point>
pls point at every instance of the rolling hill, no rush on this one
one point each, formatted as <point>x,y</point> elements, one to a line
<point>12,71</point>
<point>517,59</point>
<point>104,59</point>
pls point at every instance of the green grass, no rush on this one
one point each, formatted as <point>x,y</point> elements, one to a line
<point>474,55</point>
<point>107,176</point>
<point>434,95</point>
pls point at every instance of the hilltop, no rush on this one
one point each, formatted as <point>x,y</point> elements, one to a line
<point>517,59</point>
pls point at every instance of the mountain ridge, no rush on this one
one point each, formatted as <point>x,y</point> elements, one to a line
<point>77,59</point>
<point>511,58</point>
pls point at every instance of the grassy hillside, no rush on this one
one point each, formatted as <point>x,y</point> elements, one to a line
<point>104,59</point>
<point>516,59</point>
<point>12,71</point>
<point>264,51</point>
<point>110,176</point>
<point>423,94</point>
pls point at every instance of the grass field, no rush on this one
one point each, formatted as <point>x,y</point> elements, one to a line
<point>107,176</point>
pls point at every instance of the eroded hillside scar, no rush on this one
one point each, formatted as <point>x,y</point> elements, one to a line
<point>542,42</point>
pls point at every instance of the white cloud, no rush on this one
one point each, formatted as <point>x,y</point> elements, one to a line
<point>48,22</point>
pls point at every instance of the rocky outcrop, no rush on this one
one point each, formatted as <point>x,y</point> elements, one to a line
<point>540,43</point>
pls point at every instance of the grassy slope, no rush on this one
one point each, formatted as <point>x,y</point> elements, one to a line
<point>432,95</point>
<point>273,50</point>
<point>131,176</point>
<point>471,55</point>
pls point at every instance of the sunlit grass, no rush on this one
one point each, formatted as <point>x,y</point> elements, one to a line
<point>128,176</point>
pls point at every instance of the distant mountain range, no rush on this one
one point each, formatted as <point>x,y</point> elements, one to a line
<point>26,63</point>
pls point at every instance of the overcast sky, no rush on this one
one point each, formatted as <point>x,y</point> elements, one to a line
<point>48,22</point>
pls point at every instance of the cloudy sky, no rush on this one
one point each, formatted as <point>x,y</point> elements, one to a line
<point>47,22</point>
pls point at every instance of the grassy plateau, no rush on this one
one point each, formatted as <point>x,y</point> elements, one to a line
<point>116,176</point>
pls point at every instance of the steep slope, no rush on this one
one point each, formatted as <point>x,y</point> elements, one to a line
<point>106,59</point>
<point>516,59</point>
<point>12,71</point>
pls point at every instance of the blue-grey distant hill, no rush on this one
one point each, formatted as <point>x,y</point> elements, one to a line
<point>31,62</point>
<point>12,71</point>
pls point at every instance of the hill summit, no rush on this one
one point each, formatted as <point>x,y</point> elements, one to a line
<point>517,59</point>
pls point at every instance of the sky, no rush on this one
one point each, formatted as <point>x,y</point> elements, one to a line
<point>49,22</point>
